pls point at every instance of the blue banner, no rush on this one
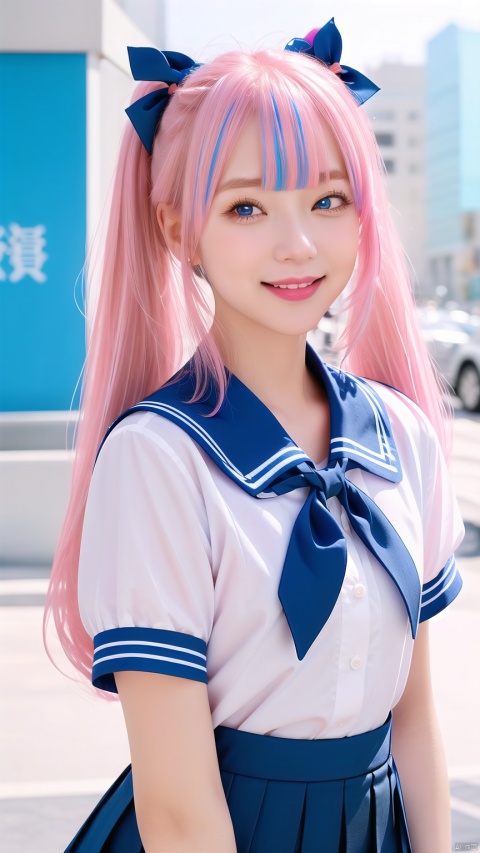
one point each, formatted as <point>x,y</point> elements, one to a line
<point>42,228</point>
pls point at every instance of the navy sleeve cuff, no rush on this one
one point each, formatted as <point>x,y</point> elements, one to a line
<point>147,650</point>
<point>441,591</point>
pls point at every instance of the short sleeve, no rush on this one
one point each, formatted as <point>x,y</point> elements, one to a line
<point>443,532</point>
<point>146,593</point>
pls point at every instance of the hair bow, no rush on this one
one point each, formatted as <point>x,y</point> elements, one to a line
<point>325,45</point>
<point>167,67</point>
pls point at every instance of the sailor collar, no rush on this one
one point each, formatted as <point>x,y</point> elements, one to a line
<point>250,446</point>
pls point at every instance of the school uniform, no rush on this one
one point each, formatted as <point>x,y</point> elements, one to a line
<point>214,549</point>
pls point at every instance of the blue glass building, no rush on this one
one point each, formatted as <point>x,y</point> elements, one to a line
<point>453,160</point>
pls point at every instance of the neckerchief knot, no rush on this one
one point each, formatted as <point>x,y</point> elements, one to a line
<point>330,480</point>
<point>316,559</point>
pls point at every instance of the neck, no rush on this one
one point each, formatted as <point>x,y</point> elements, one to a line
<point>271,365</point>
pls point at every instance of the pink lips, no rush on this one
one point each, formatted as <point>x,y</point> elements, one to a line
<point>294,289</point>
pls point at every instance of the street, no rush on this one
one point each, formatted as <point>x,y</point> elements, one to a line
<point>61,747</point>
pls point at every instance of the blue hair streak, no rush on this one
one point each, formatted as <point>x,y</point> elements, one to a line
<point>280,156</point>
<point>301,151</point>
<point>215,154</point>
<point>279,149</point>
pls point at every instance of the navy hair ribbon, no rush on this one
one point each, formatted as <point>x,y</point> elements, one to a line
<point>167,67</point>
<point>170,68</point>
<point>325,45</point>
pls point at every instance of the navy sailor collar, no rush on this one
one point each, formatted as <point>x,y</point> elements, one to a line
<point>251,447</point>
<point>249,444</point>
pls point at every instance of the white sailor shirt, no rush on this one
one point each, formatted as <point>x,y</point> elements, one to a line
<point>181,562</point>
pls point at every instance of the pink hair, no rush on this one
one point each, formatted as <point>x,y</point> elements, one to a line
<point>151,311</point>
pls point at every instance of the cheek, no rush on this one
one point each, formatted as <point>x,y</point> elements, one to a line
<point>233,249</point>
<point>343,244</point>
<point>214,240</point>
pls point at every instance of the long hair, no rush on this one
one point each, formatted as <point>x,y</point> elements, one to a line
<point>151,310</point>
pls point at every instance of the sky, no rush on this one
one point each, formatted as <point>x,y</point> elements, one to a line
<point>373,31</point>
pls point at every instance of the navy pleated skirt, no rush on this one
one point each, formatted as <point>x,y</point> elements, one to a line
<point>284,796</point>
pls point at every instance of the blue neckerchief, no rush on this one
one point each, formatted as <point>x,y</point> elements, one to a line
<point>251,447</point>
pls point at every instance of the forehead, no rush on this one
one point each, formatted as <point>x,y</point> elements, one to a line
<point>247,159</point>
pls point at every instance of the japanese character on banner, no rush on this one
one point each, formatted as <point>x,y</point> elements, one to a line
<point>25,250</point>
<point>3,251</point>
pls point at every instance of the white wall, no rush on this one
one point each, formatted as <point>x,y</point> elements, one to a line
<point>68,26</point>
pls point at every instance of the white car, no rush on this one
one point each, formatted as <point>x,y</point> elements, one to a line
<point>453,340</point>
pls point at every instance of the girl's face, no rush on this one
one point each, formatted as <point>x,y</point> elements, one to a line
<point>277,259</point>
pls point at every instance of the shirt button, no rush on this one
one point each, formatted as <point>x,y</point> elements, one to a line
<point>359,590</point>
<point>356,662</point>
<point>340,724</point>
<point>344,521</point>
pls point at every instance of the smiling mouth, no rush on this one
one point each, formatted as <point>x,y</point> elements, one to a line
<point>293,285</point>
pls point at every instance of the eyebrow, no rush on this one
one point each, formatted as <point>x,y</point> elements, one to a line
<point>238,183</point>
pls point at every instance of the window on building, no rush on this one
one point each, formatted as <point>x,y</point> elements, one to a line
<point>389,166</point>
<point>413,115</point>
<point>384,115</point>
<point>413,141</point>
<point>385,139</point>
<point>414,168</point>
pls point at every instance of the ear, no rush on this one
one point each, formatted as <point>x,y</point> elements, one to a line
<point>170,224</point>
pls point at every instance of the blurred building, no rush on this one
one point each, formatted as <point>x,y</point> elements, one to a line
<point>64,84</point>
<point>149,15</point>
<point>397,113</point>
<point>453,163</point>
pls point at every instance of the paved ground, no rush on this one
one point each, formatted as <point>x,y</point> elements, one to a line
<point>60,747</point>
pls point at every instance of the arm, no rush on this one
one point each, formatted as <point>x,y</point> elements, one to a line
<point>179,799</point>
<point>419,755</point>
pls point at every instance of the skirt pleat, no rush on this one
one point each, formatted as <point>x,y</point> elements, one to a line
<point>112,825</point>
<point>284,796</point>
<point>227,779</point>
<point>357,814</point>
<point>280,817</point>
<point>323,817</point>
<point>244,801</point>
<point>382,817</point>
<point>400,822</point>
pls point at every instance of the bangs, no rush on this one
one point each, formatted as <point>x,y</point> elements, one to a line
<point>294,150</point>
<point>295,113</point>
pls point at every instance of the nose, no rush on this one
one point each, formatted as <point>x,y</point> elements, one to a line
<point>294,242</point>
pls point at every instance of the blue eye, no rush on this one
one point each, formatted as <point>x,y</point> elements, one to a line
<point>334,201</point>
<point>244,209</point>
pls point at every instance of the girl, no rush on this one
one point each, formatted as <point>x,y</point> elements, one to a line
<point>263,534</point>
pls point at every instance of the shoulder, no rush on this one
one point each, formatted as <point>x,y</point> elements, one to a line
<point>146,442</point>
<point>415,438</point>
<point>406,417</point>
<point>148,430</point>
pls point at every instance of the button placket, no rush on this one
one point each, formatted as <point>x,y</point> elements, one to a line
<point>355,634</point>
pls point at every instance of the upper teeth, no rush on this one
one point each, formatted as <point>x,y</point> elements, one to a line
<point>292,286</point>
